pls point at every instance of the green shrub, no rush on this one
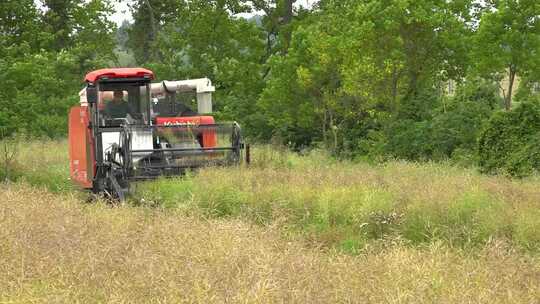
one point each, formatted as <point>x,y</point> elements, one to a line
<point>509,143</point>
<point>458,127</point>
<point>432,127</point>
<point>39,92</point>
<point>407,139</point>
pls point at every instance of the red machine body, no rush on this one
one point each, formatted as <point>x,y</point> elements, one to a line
<point>81,155</point>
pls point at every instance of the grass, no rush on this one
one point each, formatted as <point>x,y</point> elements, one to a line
<point>331,203</point>
<point>58,249</point>
<point>289,228</point>
<point>346,205</point>
<point>42,163</point>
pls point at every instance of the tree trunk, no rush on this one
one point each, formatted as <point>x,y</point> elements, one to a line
<point>149,53</point>
<point>511,78</point>
<point>334,133</point>
<point>288,13</point>
<point>395,83</point>
<point>287,18</point>
<point>325,134</point>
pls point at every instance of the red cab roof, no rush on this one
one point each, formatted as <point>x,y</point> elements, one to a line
<point>118,73</point>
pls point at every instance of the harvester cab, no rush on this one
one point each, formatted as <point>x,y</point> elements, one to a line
<point>127,128</point>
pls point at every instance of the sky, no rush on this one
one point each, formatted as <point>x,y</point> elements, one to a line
<point>122,11</point>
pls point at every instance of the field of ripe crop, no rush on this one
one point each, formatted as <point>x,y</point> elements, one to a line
<point>289,228</point>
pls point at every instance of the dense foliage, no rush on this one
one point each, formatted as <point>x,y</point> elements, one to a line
<point>510,142</point>
<point>44,51</point>
<point>363,79</point>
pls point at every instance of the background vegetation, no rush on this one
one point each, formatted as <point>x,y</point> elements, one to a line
<point>361,79</point>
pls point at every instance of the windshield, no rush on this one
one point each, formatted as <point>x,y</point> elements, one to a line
<point>123,102</point>
<point>175,105</point>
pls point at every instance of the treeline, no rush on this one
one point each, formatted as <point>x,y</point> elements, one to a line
<point>416,80</point>
<point>45,47</point>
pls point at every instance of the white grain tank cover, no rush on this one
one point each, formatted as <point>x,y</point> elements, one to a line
<point>203,87</point>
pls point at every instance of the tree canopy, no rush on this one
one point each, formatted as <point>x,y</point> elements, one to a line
<point>508,42</point>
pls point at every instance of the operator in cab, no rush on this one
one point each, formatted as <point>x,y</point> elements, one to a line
<point>117,107</point>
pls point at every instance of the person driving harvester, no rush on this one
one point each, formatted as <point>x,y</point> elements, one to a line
<point>117,107</point>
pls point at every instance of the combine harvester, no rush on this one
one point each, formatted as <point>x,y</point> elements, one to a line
<point>127,129</point>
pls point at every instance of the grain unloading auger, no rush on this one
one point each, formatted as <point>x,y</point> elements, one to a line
<point>127,128</point>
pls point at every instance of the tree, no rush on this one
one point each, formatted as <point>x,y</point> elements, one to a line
<point>93,35</point>
<point>149,18</point>
<point>206,39</point>
<point>509,142</point>
<point>278,14</point>
<point>122,35</point>
<point>292,99</point>
<point>19,28</point>
<point>43,59</point>
<point>402,47</point>
<point>357,64</point>
<point>83,27</point>
<point>59,20</point>
<point>508,42</point>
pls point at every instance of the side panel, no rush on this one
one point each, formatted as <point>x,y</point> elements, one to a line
<point>107,140</point>
<point>209,136</point>
<point>141,140</point>
<point>81,158</point>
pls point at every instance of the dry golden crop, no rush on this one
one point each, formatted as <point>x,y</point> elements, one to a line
<point>57,249</point>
